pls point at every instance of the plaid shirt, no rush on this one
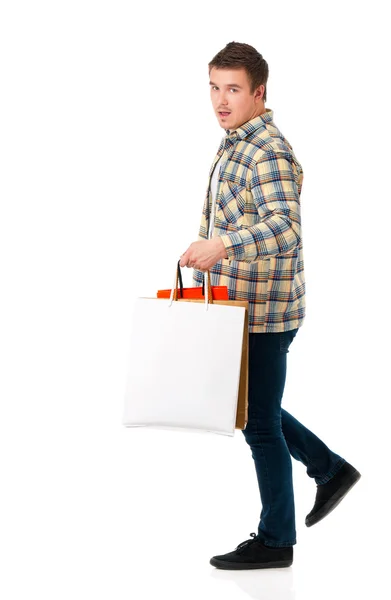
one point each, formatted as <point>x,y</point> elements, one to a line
<point>258,219</point>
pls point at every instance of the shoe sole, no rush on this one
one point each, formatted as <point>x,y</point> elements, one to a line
<point>334,500</point>
<point>222,564</point>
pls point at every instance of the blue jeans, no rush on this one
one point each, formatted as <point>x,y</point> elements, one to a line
<point>273,435</point>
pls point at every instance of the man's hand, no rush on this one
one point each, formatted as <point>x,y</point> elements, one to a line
<point>202,255</point>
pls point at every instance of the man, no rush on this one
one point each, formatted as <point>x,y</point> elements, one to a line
<point>252,208</point>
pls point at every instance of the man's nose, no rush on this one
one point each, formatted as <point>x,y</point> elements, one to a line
<point>223,99</point>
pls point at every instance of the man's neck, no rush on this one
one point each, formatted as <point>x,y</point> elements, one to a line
<point>261,113</point>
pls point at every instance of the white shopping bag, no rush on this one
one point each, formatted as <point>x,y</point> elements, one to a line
<point>184,364</point>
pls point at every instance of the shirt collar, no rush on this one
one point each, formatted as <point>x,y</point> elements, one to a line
<point>251,126</point>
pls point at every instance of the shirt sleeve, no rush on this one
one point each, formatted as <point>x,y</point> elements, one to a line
<point>276,195</point>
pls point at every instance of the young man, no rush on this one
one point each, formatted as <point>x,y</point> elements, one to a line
<point>251,216</point>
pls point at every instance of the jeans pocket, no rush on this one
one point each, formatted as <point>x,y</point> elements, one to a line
<point>286,338</point>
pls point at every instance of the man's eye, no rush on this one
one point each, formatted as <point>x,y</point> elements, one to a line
<point>215,87</point>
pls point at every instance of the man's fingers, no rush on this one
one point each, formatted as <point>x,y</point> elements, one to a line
<point>190,264</point>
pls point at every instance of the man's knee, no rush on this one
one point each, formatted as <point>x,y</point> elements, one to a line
<point>263,429</point>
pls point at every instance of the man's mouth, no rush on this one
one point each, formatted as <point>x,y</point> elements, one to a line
<point>224,114</point>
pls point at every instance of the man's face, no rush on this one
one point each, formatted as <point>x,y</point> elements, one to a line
<point>230,92</point>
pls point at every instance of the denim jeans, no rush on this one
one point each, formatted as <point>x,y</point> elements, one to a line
<point>274,435</point>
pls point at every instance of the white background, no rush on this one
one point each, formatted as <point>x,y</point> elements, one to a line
<point>107,137</point>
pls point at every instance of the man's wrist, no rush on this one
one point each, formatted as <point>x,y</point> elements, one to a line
<point>221,245</point>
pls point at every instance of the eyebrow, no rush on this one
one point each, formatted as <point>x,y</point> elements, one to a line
<point>228,85</point>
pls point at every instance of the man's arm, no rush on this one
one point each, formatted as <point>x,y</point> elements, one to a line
<point>276,198</point>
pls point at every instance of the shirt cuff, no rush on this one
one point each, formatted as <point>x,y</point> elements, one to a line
<point>234,246</point>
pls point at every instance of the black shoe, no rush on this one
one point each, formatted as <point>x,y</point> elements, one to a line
<point>330,494</point>
<point>253,554</point>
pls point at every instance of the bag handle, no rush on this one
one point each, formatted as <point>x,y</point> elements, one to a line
<point>179,274</point>
<point>174,291</point>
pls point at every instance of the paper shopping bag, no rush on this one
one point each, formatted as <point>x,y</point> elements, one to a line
<point>242,401</point>
<point>188,364</point>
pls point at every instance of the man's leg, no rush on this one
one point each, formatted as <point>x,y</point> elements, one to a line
<point>263,433</point>
<point>306,447</point>
<point>333,475</point>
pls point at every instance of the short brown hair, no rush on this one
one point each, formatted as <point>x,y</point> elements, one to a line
<point>236,55</point>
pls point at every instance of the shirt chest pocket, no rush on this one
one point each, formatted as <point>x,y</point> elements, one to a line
<point>232,203</point>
